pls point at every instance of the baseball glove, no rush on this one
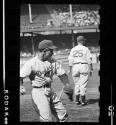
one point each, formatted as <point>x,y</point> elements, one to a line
<point>69,92</point>
<point>32,76</point>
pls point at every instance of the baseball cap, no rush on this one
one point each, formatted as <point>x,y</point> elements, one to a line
<point>80,38</point>
<point>46,44</point>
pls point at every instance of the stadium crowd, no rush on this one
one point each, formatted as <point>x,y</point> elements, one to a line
<point>79,18</point>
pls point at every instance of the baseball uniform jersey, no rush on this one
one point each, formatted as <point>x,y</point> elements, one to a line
<point>78,54</point>
<point>42,95</point>
<point>80,58</point>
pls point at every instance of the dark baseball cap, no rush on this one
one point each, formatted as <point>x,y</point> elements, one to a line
<point>46,44</point>
<point>80,38</point>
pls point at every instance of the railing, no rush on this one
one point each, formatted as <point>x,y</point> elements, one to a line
<point>43,28</point>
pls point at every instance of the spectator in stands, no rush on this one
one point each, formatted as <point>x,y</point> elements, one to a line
<point>86,18</point>
<point>50,23</point>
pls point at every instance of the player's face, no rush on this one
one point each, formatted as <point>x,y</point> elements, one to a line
<point>47,54</point>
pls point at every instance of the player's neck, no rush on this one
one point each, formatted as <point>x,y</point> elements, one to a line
<point>80,44</point>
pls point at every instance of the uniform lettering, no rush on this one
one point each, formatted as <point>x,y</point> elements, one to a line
<point>77,53</point>
<point>39,73</point>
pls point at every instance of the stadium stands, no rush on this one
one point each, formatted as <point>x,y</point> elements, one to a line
<point>58,15</point>
<point>79,18</point>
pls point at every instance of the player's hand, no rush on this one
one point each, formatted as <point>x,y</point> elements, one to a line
<point>47,91</point>
<point>22,90</point>
<point>69,91</point>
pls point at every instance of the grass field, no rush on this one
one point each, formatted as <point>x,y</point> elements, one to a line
<point>88,113</point>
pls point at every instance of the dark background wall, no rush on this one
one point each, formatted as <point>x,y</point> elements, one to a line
<point>62,41</point>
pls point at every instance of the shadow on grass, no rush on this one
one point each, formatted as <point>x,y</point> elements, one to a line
<point>92,101</point>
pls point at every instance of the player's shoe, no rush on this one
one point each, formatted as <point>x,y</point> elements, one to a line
<point>78,103</point>
<point>78,100</point>
<point>83,101</point>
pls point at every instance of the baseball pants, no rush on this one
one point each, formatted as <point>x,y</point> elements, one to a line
<point>48,104</point>
<point>80,77</point>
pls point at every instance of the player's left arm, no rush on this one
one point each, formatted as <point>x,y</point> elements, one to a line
<point>60,72</point>
<point>68,90</point>
<point>65,80</point>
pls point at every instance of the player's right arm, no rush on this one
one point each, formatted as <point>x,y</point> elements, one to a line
<point>25,71</point>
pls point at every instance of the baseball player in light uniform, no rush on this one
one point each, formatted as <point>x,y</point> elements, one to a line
<point>40,70</point>
<point>80,63</point>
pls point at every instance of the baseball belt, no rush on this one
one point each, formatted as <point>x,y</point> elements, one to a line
<point>46,85</point>
<point>81,63</point>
